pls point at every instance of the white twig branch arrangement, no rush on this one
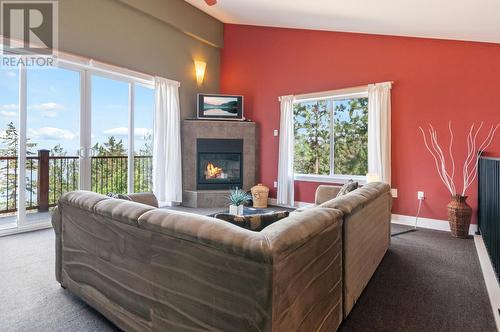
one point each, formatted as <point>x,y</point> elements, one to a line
<point>471,161</point>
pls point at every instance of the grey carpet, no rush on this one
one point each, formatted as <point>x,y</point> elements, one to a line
<point>427,281</point>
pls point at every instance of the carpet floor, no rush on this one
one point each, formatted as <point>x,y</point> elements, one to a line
<point>426,282</point>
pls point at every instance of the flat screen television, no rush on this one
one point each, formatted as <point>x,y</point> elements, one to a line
<point>220,107</point>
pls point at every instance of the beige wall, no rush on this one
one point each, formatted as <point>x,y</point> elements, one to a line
<point>122,33</point>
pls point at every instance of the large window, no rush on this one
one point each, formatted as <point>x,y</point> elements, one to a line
<point>81,125</point>
<point>331,136</point>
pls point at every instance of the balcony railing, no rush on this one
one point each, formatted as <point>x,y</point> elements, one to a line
<point>48,177</point>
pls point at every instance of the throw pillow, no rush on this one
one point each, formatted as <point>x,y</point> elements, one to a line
<point>347,188</point>
<point>255,222</point>
<point>119,196</point>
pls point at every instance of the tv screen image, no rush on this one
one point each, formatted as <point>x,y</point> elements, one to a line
<point>220,107</point>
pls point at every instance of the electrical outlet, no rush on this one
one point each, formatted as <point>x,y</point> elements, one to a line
<point>394,193</point>
<point>420,195</point>
<point>275,184</point>
<point>275,132</point>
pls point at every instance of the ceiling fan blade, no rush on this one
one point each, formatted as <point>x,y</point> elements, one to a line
<point>211,2</point>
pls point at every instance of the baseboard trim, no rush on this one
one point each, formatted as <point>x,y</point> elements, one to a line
<point>436,224</point>
<point>490,279</point>
<point>429,223</point>
<point>27,228</point>
<point>274,201</point>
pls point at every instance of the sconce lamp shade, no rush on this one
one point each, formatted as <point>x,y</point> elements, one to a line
<point>372,177</point>
<point>200,67</point>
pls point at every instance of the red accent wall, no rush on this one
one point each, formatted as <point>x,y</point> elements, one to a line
<point>435,81</point>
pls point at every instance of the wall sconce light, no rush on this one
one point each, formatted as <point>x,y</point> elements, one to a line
<point>200,70</point>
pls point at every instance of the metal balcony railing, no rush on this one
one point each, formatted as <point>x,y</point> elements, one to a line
<point>48,177</point>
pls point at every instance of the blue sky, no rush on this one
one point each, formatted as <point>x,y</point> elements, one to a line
<point>54,104</point>
<point>338,116</point>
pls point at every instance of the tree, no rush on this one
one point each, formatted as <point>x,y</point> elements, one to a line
<point>313,130</point>
<point>351,137</point>
<point>109,168</point>
<point>9,144</point>
<point>143,175</point>
<point>312,137</point>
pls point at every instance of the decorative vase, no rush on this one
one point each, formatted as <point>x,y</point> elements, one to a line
<point>459,215</point>
<point>236,210</point>
<point>260,194</point>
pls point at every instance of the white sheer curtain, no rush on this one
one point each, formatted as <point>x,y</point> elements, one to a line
<point>167,165</point>
<point>285,161</point>
<point>379,130</point>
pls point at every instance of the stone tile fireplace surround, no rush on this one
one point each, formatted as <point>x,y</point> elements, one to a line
<point>202,133</point>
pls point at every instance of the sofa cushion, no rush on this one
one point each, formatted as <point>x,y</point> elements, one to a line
<point>255,222</point>
<point>358,198</point>
<point>82,199</point>
<point>122,210</point>
<point>207,231</point>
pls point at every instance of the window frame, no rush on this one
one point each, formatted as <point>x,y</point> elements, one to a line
<point>333,95</point>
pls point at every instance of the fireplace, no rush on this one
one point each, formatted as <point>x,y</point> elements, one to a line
<point>230,148</point>
<point>219,163</point>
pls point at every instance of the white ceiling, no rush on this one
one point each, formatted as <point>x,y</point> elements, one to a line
<point>476,20</point>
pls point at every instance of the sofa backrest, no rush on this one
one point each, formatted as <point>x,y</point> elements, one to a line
<point>366,235</point>
<point>357,199</point>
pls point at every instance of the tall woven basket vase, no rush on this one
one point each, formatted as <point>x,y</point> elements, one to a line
<point>459,215</point>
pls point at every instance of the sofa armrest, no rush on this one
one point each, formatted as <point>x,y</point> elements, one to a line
<point>294,231</point>
<point>307,270</point>
<point>325,193</point>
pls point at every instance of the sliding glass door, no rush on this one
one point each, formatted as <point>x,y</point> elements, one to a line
<point>110,131</point>
<point>70,128</point>
<point>52,138</point>
<point>121,136</point>
<point>9,143</point>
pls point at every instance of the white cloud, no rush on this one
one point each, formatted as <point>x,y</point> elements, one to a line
<point>9,107</point>
<point>120,131</point>
<point>141,132</point>
<point>51,133</point>
<point>47,107</point>
<point>123,131</point>
<point>10,74</point>
<point>8,110</point>
<point>9,114</point>
<point>50,114</point>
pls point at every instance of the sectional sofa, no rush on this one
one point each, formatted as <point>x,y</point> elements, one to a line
<point>149,269</point>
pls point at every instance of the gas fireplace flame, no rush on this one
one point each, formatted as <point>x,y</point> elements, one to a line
<point>213,172</point>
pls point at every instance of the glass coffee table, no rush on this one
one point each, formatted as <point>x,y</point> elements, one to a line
<point>247,211</point>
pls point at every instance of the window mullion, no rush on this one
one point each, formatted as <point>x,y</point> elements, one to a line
<point>331,103</point>
<point>131,136</point>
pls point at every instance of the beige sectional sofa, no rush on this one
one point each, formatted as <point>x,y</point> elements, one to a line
<point>149,269</point>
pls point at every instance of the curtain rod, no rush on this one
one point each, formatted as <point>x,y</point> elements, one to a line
<point>350,90</point>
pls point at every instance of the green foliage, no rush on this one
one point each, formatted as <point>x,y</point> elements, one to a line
<point>143,175</point>
<point>351,137</point>
<point>9,140</point>
<point>312,137</point>
<point>111,147</point>
<point>238,197</point>
<point>63,174</point>
<point>312,129</point>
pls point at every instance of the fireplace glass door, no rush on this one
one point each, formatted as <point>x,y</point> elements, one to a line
<point>219,170</point>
